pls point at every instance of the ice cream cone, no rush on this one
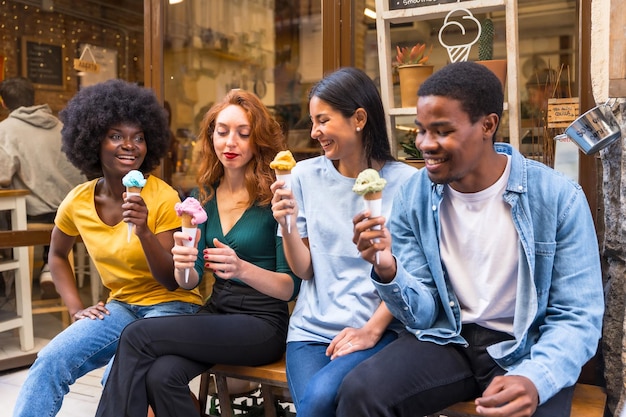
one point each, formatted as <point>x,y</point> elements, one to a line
<point>370,185</point>
<point>377,195</point>
<point>374,204</point>
<point>187,220</point>
<point>134,182</point>
<point>282,164</point>
<point>285,175</point>
<point>131,191</point>
<point>191,214</point>
<point>191,231</point>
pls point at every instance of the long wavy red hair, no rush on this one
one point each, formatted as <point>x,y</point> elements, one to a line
<point>266,140</point>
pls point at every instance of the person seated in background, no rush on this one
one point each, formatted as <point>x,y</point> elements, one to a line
<point>490,261</point>
<point>109,129</point>
<point>339,319</point>
<point>244,322</point>
<point>31,159</point>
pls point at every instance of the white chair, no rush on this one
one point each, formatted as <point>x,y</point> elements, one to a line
<point>88,267</point>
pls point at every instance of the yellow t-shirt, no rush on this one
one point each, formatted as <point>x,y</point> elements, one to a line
<point>122,265</point>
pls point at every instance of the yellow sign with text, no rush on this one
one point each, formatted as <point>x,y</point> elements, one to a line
<point>562,111</point>
<point>87,66</point>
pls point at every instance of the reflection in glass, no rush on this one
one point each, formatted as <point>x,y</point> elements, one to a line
<point>269,47</point>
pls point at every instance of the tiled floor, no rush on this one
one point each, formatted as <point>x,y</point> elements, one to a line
<point>84,395</point>
<point>82,400</point>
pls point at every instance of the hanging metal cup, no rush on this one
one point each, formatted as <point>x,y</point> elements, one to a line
<point>593,130</point>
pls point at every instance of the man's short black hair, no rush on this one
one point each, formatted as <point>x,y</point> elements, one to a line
<point>475,86</point>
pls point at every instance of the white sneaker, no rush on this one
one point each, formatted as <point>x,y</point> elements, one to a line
<point>46,284</point>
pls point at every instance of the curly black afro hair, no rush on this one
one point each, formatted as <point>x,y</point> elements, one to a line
<point>94,110</point>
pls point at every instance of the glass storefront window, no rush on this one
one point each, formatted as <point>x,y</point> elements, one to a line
<point>548,60</point>
<point>270,47</point>
<point>40,40</point>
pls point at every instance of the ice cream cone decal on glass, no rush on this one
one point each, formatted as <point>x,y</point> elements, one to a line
<point>134,182</point>
<point>192,214</point>
<point>282,164</point>
<point>464,20</point>
<point>370,185</point>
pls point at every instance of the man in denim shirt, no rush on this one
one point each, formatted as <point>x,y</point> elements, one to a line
<point>495,271</point>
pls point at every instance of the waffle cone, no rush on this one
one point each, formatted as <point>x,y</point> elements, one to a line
<point>187,218</point>
<point>282,171</point>
<point>133,190</point>
<point>373,196</point>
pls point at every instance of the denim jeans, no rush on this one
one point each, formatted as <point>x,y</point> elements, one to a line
<point>314,379</point>
<point>82,347</point>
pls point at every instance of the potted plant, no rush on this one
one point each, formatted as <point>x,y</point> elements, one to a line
<point>414,155</point>
<point>485,51</point>
<point>412,71</point>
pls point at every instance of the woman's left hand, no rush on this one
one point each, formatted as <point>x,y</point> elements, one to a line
<point>223,261</point>
<point>351,340</point>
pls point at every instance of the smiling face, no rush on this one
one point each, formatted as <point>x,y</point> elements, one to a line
<point>457,151</point>
<point>123,148</point>
<point>335,133</point>
<point>231,138</point>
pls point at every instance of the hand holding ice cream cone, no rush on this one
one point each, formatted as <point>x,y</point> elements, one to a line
<point>369,185</point>
<point>192,214</point>
<point>282,164</point>
<point>134,183</point>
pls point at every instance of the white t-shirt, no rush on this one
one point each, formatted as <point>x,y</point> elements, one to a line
<point>480,250</point>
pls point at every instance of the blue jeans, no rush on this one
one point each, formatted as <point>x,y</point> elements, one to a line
<point>314,379</point>
<point>82,347</point>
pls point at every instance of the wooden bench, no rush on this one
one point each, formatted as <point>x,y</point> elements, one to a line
<point>271,377</point>
<point>589,400</point>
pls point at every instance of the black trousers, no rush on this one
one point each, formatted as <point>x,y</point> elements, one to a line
<point>413,378</point>
<point>157,357</point>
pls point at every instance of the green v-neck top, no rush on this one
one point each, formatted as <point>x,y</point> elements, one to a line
<point>253,237</point>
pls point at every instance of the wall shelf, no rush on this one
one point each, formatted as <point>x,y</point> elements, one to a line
<point>386,17</point>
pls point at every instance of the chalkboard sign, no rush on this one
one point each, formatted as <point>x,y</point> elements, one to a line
<point>42,63</point>
<point>409,4</point>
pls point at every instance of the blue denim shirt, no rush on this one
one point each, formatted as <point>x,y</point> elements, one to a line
<point>560,302</point>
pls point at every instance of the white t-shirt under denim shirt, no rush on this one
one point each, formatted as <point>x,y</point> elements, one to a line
<point>474,227</point>
<point>340,294</point>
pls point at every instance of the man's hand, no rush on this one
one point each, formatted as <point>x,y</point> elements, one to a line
<point>374,244</point>
<point>508,396</point>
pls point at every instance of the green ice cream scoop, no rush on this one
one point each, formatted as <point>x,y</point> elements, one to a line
<point>368,181</point>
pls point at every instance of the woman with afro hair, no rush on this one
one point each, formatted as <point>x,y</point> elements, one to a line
<point>109,129</point>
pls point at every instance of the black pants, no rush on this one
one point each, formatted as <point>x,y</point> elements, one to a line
<point>413,378</point>
<point>157,357</point>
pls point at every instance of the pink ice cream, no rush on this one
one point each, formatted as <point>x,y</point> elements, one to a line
<point>192,215</point>
<point>191,209</point>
